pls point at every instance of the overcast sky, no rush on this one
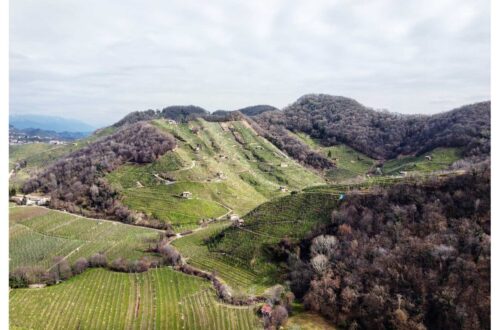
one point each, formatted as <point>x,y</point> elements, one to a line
<point>97,60</point>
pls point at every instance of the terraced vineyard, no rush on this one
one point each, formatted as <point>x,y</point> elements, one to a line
<point>230,269</point>
<point>38,234</point>
<point>226,166</point>
<point>99,299</point>
<point>237,254</point>
<point>289,217</point>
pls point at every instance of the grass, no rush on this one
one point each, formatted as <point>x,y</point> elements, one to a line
<point>442,158</point>
<point>37,235</point>
<point>101,299</point>
<point>163,203</point>
<point>301,319</point>
<point>252,171</point>
<point>350,163</point>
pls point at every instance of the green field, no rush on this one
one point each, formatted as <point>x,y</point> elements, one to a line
<point>442,158</point>
<point>252,171</point>
<point>99,299</point>
<point>38,234</point>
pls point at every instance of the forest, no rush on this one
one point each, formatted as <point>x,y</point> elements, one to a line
<point>75,183</point>
<point>411,256</point>
<point>382,134</point>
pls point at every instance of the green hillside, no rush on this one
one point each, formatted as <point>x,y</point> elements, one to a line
<point>240,255</point>
<point>441,159</point>
<point>226,167</point>
<point>100,299</point>
<point>37,235</point>
<point>350,163</point>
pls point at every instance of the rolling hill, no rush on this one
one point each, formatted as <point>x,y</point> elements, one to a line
<point>186,173</point>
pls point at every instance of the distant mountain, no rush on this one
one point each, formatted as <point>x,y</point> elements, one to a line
<point>42,135</point>
<point>49,123</point>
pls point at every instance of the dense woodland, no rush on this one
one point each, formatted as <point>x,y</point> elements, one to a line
<point>413,256</point>
<point>76,182</point>
<point>381,134</point>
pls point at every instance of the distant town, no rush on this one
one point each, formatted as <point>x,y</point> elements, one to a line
<point>33,135</point>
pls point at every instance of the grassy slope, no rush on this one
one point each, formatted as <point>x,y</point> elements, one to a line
<point>240,256</point>
<point>100,299</point>
<point>38,234</point>
<point>442,158</point>
<point>350,163</point>
<point>252,168</point>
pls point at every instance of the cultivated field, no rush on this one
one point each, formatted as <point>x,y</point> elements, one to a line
<point>238,254</point>
<point>37,235</point>
<point>100,299</point>
<point>230,269</point>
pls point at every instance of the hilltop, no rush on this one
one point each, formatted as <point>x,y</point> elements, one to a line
<point>379,134</point>
<point>231,162</point>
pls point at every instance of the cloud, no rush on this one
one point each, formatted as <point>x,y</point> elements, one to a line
<point>98,60</point>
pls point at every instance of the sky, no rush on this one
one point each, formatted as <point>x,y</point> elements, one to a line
<point>96,61</point>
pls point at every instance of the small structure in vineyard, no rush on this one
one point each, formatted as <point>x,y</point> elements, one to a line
<point>186,195</point>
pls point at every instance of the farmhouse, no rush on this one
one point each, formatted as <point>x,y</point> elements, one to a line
<point>221,175</point>
<point>428,157</point>
<point>171,122</point>
<point>31,200</point>
<point>284,165</point>
<point>283,189</point>
<point>186,195</point>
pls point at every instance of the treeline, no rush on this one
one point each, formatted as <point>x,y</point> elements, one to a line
<point>412,256</point>
<point>183,113</point>
<point>178,113</point>
<point>76,183</point>
<point>162,255</point>
<point>381,134</point>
